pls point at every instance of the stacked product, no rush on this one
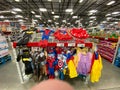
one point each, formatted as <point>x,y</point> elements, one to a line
<point>107,49</point>
<point>4,52</point>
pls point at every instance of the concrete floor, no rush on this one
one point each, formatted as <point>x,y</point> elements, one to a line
<point>110,80</point>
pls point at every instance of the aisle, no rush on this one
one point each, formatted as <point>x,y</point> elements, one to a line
<point>110,79</point>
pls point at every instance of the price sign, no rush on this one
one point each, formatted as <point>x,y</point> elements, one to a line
<point>60,44</point>
<point>71,44</point>
<point>81,45</point>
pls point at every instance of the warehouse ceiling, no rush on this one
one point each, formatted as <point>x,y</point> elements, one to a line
<point>54,12</point>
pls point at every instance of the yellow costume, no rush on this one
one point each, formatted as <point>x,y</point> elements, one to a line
<point>96,70</point>
<point>72,69</point>
<point>76,57</point>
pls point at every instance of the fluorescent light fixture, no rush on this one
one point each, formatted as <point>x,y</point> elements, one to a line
<point>53,12</point>
<point>69,10</point>
<point>104,21</point>
<point>56,16</point>
<point>4,11</point>
<point>17,0</point>
<point>17,9</point>
<point>49,0</point>
<point>115,12</point>
<point>116,22</point>
<point>20,20</point>
<point>49,20</point>
<point>18,16</point>
<point>92,17</point>
<point>107,14</point>
<point>37,16</point>
<point>75,17</point>
<point>111,2</point>
<point>56,23</point>
<point>90,21</point>
<point>43,9</point>
<point>6,20</point>
<point>71,13</point>
<point>2,16</point>
<point>32,12</point>
<point>63,20</point>
<point>93,11</point>
<point>77,21</point>
<point>109,18</point>
<point>80,1</point>
<point>35,20</point>
<point>13,12</point>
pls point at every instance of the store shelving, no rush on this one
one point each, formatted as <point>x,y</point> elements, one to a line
<point>4,52</point>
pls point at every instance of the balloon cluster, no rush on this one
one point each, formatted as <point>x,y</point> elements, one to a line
<point>62,36</point>
<point>79,33</point>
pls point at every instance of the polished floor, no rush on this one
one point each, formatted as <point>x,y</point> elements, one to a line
<point>110,80</point>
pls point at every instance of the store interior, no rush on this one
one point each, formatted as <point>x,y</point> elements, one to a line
<point>74,41</point>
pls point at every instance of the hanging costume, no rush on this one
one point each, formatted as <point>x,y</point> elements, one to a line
<point>71,66</point>
<point>96,68</point>
<point>84,64</point>
<point>46,34</point>
<point>26,59</point>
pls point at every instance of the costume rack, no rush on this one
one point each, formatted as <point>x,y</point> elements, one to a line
<point>49,44</point>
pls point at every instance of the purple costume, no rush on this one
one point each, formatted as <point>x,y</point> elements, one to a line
<point>84,64</point>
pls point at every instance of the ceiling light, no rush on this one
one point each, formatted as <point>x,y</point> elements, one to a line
<point>49,20</point>
<point>90,21</point>
<point>35,20</point>
<point>56,23</point>
<point>43,9</point>
<point>17,0</point>
<point>104,21</point>
<point>17,9</point>
<point>37,16</point>
<point>18,16</point>
<point>109,18</point>
<point>71,13</point>
<point>111,2</point>
<point>107,14</point>
<point>116,22</point>
<point>32,12</point>
<point>20,20</point>
<point>80,1</point>
<point>53,12</point>
<point>63,20</point>
<point>68,23</point>
<point>6,20</point>
<point>2,17</point>
<point>69,10</point>
<point>13,12</point>
<point>49,0</point>
<point>75,17</point>
<point>115,12</point>
<point>92,17</point>
<point>93,11</point>
<point>4,11</point>
<point>56,16</point>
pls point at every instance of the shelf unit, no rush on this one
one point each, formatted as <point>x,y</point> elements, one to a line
<point>105,48</point>
<point>4,52</point>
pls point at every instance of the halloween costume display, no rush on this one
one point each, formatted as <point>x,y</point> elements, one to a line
<point>60,60</point>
